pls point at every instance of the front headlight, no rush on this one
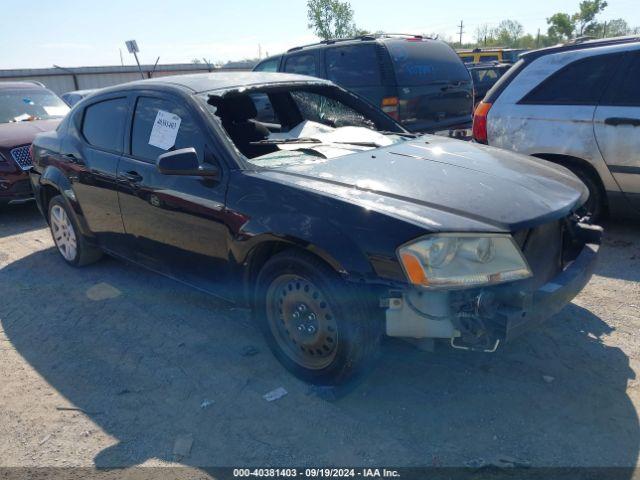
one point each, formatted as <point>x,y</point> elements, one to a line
<point>460,260</point>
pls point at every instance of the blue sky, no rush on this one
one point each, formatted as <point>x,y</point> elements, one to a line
<point>71,33</point>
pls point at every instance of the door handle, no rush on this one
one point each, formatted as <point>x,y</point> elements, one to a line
<point>615,121</point>
<point>133,177</point>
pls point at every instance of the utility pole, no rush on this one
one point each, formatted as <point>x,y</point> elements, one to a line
<point>538,39</point>
<point>461,31</point>
<point>604,30</point>
<point>121,60</point>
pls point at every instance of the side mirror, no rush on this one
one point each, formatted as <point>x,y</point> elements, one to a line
<point>184,162</point>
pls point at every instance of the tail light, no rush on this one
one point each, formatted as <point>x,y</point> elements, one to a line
<point>390,107</point>
<point>480,122</point>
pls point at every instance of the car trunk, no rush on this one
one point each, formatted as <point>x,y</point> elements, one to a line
<point>435,90</point>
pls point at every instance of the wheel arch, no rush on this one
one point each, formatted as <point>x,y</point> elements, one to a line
<point>572,163</point>
<point>260,253</point>
<point>54,182</point>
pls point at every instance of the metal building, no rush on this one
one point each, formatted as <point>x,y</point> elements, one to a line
<point>61,80</point>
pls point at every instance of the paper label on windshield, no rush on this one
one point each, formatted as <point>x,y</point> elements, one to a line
<point>56,111</point>
<point>165,130</point>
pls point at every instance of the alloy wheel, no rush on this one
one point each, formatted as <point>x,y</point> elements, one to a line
<point>63,233</point>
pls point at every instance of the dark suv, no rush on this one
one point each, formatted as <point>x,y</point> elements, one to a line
<point>26,109</point>
<point>419,81</point>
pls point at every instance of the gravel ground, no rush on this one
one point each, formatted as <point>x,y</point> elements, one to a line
<point>111,365</point>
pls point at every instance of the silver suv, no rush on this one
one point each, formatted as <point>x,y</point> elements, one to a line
<point>577,105</point>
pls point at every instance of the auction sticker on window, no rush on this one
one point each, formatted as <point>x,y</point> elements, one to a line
<point>165,130</point>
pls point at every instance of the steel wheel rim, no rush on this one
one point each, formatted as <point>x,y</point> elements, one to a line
<point>302,321</point>
<point>64,235</point>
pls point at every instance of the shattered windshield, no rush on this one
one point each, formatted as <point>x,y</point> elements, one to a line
<point>28,105</point>
<point>283,127</point>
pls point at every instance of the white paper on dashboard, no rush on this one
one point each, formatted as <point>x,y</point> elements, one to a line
<point>165,130</point>
<point>56,111</point>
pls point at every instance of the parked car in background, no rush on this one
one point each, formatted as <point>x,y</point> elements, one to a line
<point>71,98</point>
<point>577,105</point>
<point>484,76</point>
<point>479,55</point>
<point>335,224</point>
<point>26,109</point>
<point>418,81</point>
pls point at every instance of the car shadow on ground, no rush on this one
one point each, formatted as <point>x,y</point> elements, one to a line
<point>142,356</point>
<point>17,219</point>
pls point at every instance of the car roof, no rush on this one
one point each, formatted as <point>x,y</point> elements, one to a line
<point>580,44</point>
<point>27,85</point>
<point>378,37</point>
<point>204,82</point>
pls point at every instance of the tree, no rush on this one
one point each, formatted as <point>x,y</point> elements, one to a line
<point>508,32</point>
<point>331,19</point>
<point>483,35</point>
<point>561,26</point>
<point>617,27</point>
<point>586,15</point>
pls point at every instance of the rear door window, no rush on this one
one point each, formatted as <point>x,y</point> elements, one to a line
<point>103,124</point>
<point>144,147</point>
<point>579,83</point>
<point>354,66</point>
<point>425,61</point>
<point>304,64</point>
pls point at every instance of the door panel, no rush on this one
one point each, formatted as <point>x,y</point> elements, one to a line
<point>617,128</point>
<point>177,223</point>
<point>92,152</point>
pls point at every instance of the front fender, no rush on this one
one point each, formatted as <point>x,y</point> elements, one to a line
<point>313,234</point>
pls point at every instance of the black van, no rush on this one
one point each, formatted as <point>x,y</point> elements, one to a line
<point>417,80</point>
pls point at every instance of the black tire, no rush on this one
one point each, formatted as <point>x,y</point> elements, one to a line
<point>596,205</point>
<point>85,253</point>
<point>356,322</point>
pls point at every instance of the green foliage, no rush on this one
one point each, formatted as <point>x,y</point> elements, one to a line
<point>331,19</point>
<point>561,26</point>
<point>585,17</point>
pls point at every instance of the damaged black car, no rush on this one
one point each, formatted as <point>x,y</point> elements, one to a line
<point>332,222</point>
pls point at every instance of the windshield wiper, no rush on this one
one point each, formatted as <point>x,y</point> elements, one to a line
<point>276,141</point>
<point>400,134</point>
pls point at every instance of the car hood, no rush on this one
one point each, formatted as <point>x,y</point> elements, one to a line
<point>445,184</point>
<point>21,133</point>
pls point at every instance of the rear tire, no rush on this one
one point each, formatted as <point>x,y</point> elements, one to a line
<point>322,329</point>
<point>72,245</point>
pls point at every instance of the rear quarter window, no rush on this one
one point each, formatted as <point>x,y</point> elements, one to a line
<point>354,65</point>
<point>423,62</point>
<point>302,64</point>
<point>581,82</point>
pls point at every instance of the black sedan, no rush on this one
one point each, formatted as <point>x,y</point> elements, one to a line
<point>333,222</point>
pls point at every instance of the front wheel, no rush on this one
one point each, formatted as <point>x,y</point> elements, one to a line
<point>321,328</point>
<point>70,242</point>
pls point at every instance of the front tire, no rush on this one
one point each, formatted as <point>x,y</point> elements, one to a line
<point>322,329</point>
<point>71,244</point>
<point>596,206</point>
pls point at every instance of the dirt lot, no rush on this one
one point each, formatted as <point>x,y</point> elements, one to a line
<point>109,365</point>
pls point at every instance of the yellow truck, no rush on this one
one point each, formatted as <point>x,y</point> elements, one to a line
<point>479,55</point>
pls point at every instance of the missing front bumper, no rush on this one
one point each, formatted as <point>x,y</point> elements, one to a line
<point>491,316</point>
